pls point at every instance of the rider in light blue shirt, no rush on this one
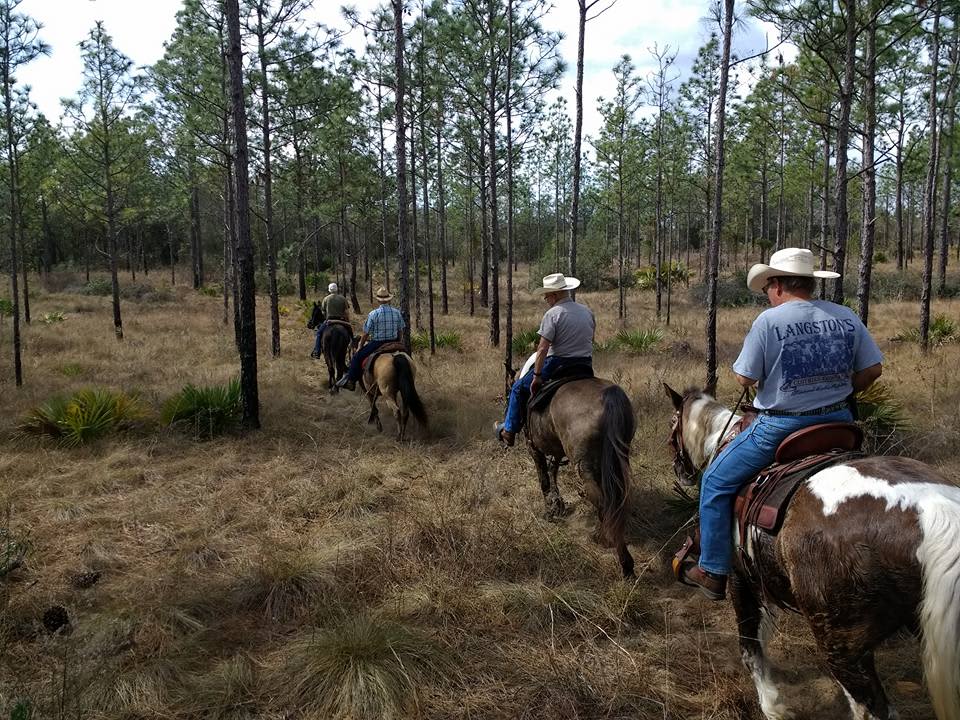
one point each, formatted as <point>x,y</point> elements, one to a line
<point>806,357</point>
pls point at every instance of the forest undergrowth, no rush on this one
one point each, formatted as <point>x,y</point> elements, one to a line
<point>318,569</point>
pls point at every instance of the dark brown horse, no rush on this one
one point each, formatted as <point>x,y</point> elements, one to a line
<point>334,345</point>
<point>591,423</point>
<point>868,546</point>
<point>393,376</point>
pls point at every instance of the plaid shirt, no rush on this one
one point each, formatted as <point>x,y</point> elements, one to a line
<point>384,323</point>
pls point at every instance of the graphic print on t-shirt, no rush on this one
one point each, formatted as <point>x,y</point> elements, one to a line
<point>814,363</point>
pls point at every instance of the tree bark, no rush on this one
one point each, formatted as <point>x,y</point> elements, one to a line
<point>929,193</point>
<point>245,281</point>
<point>841,226</point>
<point>869,171</point>
<point>401,152</point>
<point>713,254</point>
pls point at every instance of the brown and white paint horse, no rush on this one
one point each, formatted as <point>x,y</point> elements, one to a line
<point>867,547</point>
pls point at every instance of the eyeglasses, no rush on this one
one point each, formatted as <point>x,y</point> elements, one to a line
<point>768,285</point>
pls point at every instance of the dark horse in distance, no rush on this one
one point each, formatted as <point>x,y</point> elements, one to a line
<point>868,546</point>
<point>590,422</point>
<point>334,345</point>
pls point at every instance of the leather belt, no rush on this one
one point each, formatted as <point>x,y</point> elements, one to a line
<point>825,410</point>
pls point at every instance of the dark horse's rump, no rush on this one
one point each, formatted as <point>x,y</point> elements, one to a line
<point>334,345</point>
<point>591,423</point>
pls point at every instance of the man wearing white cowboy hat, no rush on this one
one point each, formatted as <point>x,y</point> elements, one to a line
<point>566,338</point>
<point>806,357</point>
<point>384,324</point>
<point>334,307</point>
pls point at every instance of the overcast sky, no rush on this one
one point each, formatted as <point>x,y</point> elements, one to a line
<point>140,27</point>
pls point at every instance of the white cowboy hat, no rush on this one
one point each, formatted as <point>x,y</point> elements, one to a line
<point>791,262</point>
<point>382,295</point>
<point>556,282</point>
<point>332,287</point>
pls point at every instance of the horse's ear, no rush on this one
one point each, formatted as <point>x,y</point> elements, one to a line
<point>675,397</point>
<point>711,387</point>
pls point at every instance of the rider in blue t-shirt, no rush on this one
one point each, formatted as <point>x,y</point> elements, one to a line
<point>806,357</point>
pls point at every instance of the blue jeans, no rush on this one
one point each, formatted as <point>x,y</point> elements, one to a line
<point>356,364</point>
<point>520,392</point>
<point>747,454</point>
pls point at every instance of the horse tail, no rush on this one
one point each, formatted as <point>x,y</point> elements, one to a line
<point>939,555</point>
<point>406,388</point>
<point>617,427</point>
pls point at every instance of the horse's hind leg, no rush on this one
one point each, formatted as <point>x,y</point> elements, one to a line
<point>851,662</point>
<point>373,394</point>
<point>401,414</point>
<point>753,627</point>
<point>554,507</point>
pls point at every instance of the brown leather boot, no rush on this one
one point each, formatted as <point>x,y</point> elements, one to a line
<point>711,585</point>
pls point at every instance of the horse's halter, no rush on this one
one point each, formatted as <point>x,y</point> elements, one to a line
<point>683,466</point>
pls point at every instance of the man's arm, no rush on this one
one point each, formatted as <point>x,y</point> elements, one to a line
<point>744,381</point>
<point>862,379</point>
<point>542,349</point>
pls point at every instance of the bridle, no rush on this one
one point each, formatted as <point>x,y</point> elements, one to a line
<point>683,466</point>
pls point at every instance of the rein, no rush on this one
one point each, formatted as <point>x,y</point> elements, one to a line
<point>726,427</point>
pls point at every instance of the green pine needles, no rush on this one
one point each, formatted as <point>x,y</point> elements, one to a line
<point>206,411</point>
<point>84,417</point>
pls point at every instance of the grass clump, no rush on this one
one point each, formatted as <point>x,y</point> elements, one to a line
<point>881,416</point>
<point>525,341</point>
<point>638,341</point>
<point>98,286</point>
<point>283,586</point>
<point>205,410</point>
<point>645,278</point>
<point>84,417</point>
<point>6,308</point>
<point>50,318</point>
<point>211,290</point>
<point>365,668</point>
<point>12,552</point>
<point>942,330</point>
<point>451,340</point>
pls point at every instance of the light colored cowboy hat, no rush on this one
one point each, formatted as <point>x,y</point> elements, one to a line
<point>332,288</point>
<point>382,295</point>
<point>556,282</point>
<point>789,262</point>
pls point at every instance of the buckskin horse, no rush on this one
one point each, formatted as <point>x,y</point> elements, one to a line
<point>590,422</point>
<point>334,345</point>
<point>392,375</point>
<point>867,546</point>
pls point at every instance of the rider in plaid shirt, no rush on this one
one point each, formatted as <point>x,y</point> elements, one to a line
<point>383,325</point>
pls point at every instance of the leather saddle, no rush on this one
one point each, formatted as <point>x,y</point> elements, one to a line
<point>386,349</point>
<point>763,502</point>
<point>560,378</point>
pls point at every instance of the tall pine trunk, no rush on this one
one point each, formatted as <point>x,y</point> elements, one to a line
<point>841,226</point>
<point>929,192</point>
<point>401,152</point>
<point>245,280</point>
<point>713,253</point>
<point>868,235</point>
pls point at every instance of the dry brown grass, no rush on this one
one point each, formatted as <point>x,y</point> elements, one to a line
<point>232,572</point>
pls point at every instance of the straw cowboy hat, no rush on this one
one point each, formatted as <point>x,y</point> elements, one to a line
<point>556,282</point>
<point>382,295</point>
<point>789,262</point>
